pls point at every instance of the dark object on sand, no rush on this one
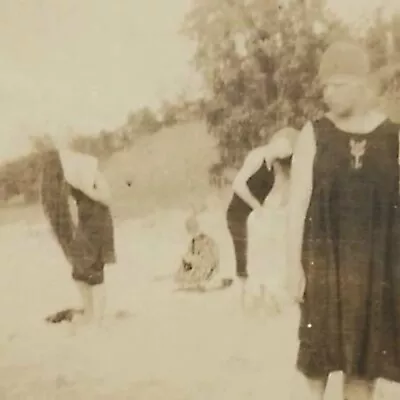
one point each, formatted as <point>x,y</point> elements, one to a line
<point>66,315</point>
<point>226,282</point>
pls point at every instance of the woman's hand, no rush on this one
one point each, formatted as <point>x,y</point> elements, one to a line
<point>296,282</point>
<point>257,212</point>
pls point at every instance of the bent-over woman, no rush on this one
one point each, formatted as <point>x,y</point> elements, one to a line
<point>89,245</point>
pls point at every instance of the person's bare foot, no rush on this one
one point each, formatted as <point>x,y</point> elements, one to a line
<point>87,325</point>
<point>79,321</point>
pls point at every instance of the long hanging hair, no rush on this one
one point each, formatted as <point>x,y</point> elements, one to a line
<point>55,192</point>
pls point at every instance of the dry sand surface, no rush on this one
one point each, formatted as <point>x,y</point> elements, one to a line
<point>156,343</point>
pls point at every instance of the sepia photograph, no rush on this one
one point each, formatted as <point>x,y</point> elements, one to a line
<point>200,199</point>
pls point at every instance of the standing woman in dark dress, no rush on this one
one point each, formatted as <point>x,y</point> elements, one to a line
<point>251,187</point>
<point>343,234</point>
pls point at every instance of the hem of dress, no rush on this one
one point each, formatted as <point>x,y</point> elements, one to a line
<point>389,376</point>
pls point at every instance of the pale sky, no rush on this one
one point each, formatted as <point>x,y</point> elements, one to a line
<point>82,65</point>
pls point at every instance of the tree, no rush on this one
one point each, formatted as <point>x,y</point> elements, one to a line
<point>142,121</point>
<point>259,63</point>
<point>168,114</point>
<point>376,41</point>
<point>395,32</point>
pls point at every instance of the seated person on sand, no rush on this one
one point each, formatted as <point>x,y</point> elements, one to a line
<point>200,264</point>
<point>88,245</point>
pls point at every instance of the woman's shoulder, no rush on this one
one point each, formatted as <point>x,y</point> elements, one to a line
<point>322,123</point>
<point>257,153</point>
<point>391,126</point>
<point>322,128</point>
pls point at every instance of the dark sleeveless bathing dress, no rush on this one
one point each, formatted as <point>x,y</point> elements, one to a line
<point>259,184</point>
<point>350,318</point>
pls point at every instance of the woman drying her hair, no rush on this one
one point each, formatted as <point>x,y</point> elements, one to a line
<point>89,245</point>
<point>265,169</point>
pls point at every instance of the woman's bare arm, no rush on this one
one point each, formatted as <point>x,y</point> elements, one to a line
<point>279,147</point>
<point>252,163</point>
<point>300,190</point>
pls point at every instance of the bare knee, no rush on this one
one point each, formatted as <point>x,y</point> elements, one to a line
<point>358,388</point>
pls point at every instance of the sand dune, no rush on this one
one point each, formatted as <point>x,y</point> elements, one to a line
<point>164,170</point>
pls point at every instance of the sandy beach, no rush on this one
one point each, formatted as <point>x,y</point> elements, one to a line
<point>156,343</point>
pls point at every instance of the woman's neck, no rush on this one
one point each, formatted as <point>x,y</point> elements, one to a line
<point>360,121</point>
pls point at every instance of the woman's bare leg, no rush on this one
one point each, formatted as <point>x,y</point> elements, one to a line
<point>98,294</point>
<point>87,300</point>
<point>358,389</point>
<point>315,389</point>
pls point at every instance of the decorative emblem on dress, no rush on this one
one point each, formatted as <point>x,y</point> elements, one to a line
<point>357,150</point>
